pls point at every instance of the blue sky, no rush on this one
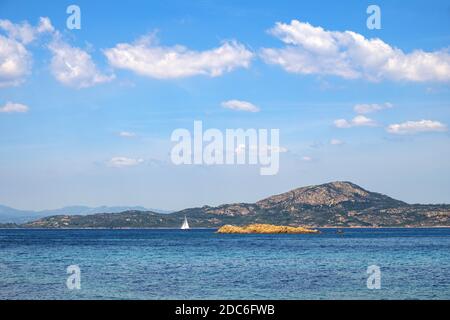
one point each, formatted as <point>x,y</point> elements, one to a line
<point>58,151</point>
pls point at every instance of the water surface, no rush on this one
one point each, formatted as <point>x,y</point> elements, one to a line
<point>200,264</point>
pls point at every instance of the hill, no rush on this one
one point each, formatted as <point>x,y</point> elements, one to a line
<point>11,215</point>
<point>335,204</point>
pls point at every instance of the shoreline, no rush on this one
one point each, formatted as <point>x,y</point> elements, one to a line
<point>216,228</point>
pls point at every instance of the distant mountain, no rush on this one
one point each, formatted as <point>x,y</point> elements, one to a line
<point>8,214</point>
<point>330,194</point>
<point>11,215</point>
<point>335,204</point>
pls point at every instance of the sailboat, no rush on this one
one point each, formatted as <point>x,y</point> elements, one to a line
<point>185,225</point>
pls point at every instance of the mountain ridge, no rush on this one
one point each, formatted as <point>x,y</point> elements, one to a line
<point>333,204</point>
<point>12,215</point>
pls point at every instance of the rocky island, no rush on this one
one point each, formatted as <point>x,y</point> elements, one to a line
<point>265,229</point>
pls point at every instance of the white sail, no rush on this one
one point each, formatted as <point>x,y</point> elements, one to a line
<point>185,224</point>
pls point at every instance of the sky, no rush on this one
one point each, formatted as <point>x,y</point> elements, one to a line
<point>86,115</point>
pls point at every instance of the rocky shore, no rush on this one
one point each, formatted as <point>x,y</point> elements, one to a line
<point>265,229</point>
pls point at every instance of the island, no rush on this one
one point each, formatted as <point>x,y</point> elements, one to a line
<point>265,229</point>
<point>339,204</point>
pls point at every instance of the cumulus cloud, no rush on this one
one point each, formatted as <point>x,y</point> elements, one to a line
<point>11,107</point>
<point>145,57</point>
<point>413,127</point>
<point>15,59</point>
<point>71,66</point>
<point>24,32</point>
<point>15,62</point>
<point>74,67</point>
<point>370,108</point>
<point>358,121</point>
<point>307,158</point>
<point>314,50</point>
<point>240,105</point>
<point>120,162</point>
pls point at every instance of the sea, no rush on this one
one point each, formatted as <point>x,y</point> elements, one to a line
<point>386,263</point>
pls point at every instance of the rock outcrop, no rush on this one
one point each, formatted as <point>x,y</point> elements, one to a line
<point>265,229</point>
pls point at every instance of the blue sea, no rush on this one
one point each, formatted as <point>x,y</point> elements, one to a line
<point>200,264</point>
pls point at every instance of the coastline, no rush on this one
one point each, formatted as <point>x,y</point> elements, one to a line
<point>216,228</point>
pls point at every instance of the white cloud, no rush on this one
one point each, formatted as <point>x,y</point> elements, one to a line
<point>146,58</point>
<point>336,142</point>
<point>24,32</point>
<point>15,62</point>
<point>127,134</point>
<point>412,127</point>
<point>74,67</point>
<point>240,105</point>
<point>71,66</point>
<point>120,162</point>
<point>45,25</point>
<point>370,108</point>
<point>358,121</point>
<point>11,107</point>
<point>307,158</point>
<point>313,50</point>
